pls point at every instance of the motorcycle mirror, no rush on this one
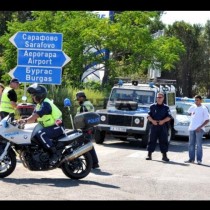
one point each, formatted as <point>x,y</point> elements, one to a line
<point>5,124</point>
<point>24,98</point>
<point>67,102</point>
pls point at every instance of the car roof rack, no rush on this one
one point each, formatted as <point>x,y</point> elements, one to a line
<point>165,82</point>
<point>145,81</point>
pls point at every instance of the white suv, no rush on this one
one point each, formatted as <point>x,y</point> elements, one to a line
<point>127,109</point>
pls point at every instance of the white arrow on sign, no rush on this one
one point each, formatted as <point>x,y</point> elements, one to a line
<point>67,59</point>
<point>11,72</point>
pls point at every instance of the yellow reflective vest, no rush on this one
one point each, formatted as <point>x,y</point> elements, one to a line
<point>6,105</point>
<point>50,119</point>
<point>87,106</point>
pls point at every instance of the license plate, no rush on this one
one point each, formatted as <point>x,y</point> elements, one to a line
<point>117,129</point>
<point>181,131</point>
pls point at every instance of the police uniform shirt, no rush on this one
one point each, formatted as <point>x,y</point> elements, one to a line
<point>159,112</point>
<point>45,109</point>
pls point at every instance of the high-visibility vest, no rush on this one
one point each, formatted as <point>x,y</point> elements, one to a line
<point>87,106</point>
<point>6,105</point>
<point>50,119</point>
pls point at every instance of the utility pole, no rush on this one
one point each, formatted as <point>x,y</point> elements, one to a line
<point>153,73</point>
<point>107,56</point>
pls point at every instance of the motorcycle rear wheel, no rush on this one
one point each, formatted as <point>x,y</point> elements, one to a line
<point>8,164</point>
<point>79,167</point>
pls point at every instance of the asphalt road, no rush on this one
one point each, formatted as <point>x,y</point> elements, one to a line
<point>124,174</point>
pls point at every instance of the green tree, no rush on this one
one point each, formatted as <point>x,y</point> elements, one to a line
<point>128,38</point>
<point>6,16</point>
<point>186,70</point>
<point>203,76</point>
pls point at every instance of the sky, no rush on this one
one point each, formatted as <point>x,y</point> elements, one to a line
<point>169,17</point>
<point>192,17</point>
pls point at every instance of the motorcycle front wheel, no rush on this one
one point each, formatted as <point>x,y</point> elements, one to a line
<point>8,164</point>
<point>79,167</point>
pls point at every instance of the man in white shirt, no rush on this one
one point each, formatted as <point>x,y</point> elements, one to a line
<point>199,118</point>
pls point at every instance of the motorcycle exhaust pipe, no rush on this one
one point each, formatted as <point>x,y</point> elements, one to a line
<point>78,152</point>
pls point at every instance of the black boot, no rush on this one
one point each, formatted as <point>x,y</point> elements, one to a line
<point>149,156</point>
<point>165,158</point>
<point>94,158</point>
<point>53,156</point>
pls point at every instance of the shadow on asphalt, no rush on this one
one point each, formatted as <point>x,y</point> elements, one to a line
<point>172,162</point>
<point>55,182</point>
<point>98,171</point>
<point>203,165</point>
<point>136,145</point>
<point>178,163</point>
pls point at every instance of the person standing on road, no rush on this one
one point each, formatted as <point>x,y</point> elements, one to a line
<point>159,115</point>
<point>9,98</point>
<point>86,106</point>
<point>199,118</point>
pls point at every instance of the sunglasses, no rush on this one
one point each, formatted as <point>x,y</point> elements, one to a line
<point>159,97</point>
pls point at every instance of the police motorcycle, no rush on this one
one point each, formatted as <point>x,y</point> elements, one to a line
<point>72,147</point>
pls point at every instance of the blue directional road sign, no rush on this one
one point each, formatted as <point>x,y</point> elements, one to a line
<point>42,58</point>
<point>37,74</point>
<point>37,40</point>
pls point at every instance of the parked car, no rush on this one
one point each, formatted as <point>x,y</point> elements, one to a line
<point>182,120</point>
<point>207,104</point>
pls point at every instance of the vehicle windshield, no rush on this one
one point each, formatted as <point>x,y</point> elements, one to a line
<point>140,96</point>
<point>182,107</point>
<point>207,106</point>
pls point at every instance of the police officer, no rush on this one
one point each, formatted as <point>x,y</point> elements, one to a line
<point>47,114</point>
<point>86,106</point>
<point>159,115</point>
<point>9,98</point>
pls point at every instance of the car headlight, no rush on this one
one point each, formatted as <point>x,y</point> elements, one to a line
<point>103,118</point>
<point>138,121</point>
<point>183,123</point>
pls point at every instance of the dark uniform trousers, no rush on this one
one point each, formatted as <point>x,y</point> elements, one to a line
<point>92,151</point>
<point>158,132</point>
<point>46,134</point>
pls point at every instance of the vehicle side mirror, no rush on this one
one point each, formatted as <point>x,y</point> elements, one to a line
<point>5,124</point>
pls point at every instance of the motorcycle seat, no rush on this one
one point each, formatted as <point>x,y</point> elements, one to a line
<point>68,132</point>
